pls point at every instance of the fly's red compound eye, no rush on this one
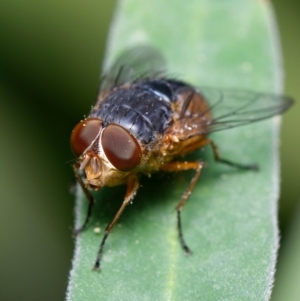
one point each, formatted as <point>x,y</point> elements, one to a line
<point>120,147</point>
<point>84,134</point>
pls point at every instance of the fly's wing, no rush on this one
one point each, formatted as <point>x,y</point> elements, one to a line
<point>231,108</point>
<point>134,63</point>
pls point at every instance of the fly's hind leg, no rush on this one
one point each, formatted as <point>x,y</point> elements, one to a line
<point>181,166</point>
<point>230,163</point>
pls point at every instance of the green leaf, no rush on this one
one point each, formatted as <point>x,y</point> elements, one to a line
<point>229,221</point>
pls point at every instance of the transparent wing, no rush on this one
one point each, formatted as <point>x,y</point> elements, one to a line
<point>138,62</point>
<point>228,109</point>
<point>232,108</point>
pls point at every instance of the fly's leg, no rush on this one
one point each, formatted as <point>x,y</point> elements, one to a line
<point>230,163</point>
<point>181,166</point>
<point>132,187</point>
<point>88,196</point>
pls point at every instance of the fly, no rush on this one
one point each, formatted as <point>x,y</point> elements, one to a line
<point>142,121</point>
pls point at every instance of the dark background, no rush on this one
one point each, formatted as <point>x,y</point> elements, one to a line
<point>50,58</point>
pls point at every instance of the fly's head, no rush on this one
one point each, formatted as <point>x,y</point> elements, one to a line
<point>106,154</point>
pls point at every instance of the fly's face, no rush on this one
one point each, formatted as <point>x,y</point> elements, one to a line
<point>106,154</point>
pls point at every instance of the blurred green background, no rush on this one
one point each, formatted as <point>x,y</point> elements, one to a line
<point>50,58</point>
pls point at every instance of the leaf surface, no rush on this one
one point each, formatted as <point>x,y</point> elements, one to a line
<point>229,221</point>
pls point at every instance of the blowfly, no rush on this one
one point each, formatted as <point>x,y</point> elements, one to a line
<point>143,121</point>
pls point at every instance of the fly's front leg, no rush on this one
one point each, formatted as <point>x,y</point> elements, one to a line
<point>132,187</point>
<point>89,198</point>
<point>181,166</point>
<point>230,163</point>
